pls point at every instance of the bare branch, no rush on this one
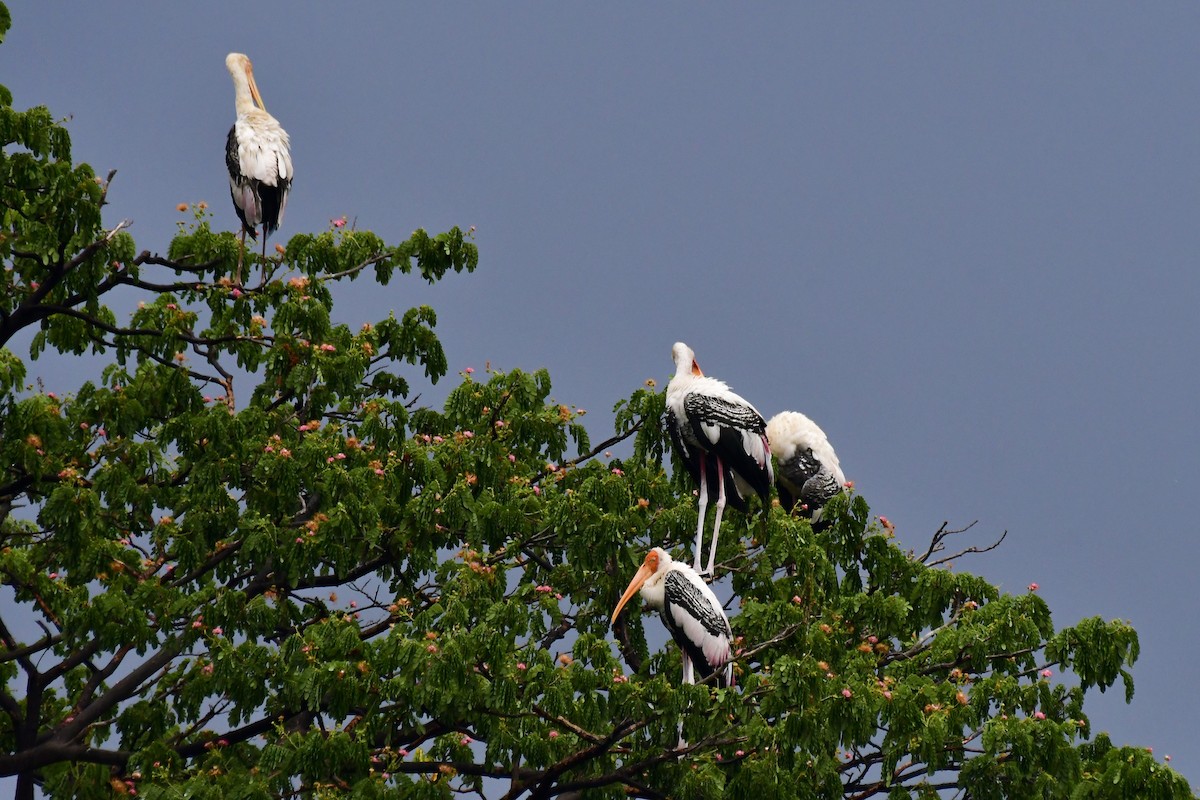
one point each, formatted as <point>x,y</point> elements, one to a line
<point>971,549</point>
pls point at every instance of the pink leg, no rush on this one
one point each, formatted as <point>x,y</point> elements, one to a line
<point>237,276</point>
<point>712,553</point>
<point>700,521</point>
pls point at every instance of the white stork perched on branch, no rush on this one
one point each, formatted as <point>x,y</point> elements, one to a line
<point>809,472</point>
<point>258,157</point>
<point>720,438</point>
<point>691,612</point>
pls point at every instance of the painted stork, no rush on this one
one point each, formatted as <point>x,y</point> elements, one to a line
<point>720,438</point>
<point>691,612</point>
<point>809,472</point>
<point>258,157</point>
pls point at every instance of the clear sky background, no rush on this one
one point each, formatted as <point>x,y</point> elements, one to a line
<point>962,238</point>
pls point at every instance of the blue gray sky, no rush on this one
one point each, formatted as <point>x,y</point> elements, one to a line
<point>962,238</point>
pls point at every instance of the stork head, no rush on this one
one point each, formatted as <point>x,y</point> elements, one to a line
<point>656,561</point>
<point>242,70</point>
<point>685,360</point>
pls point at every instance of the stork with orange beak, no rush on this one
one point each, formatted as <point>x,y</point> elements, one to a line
<point>721,439</point>
<point>259,159</point>
<point>691,612</point>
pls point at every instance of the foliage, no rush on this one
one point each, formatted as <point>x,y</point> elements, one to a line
<point>316,588</point>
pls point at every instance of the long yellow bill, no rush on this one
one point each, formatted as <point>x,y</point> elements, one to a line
<point>254,89</point>
<point>648,568</point>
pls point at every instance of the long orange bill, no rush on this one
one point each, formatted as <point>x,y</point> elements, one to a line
<point>254,90</point>
<point>643,573</point>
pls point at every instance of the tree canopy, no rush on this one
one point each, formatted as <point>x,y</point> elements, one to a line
<point>246,563</point>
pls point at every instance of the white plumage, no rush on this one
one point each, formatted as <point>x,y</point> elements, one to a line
<point>720,437</point>
<point>809,471</point>
<point>258,156</point>
<point>691,613</point>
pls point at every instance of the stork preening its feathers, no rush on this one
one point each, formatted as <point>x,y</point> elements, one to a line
<point>720,438</point>
<point>809,472</point>
<point>259,160</point>
<point>691,612</point>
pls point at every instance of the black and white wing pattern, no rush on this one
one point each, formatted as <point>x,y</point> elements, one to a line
<point>698,460</point>
<point>809,471</point>
<point>694,617</point>
<point>736,434</point>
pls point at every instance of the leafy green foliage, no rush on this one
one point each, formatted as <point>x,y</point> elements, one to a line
<point>316,588</point>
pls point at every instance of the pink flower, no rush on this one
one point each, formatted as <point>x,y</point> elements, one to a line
<point>544,589</point>
<point>432,648</point>
<point>378,471</point>
<point>887,694</point>
<point>469,370</point>
<point>83,426</point>
<point>354,604</point>
<point>340,222</point>
<point>217,631</point>
<point>468,435</point>
<point>537,490</point>
<point>438,440</point>
<point>102,432</point>
<point>1046,673</point>
<point>236,292</point>
<point>616,471</point>
<point>465,740</point>
<point>512,459</point>
<point>198,624</point>
<point>796,599</point>
<point>1033,587</point>
<point>553,734</point>
<point>328,348</point>
<point>739,753</point>
<point>1038,715</point>
<point>847,693</point>
<point>521,666</point>
<point>207,669</point>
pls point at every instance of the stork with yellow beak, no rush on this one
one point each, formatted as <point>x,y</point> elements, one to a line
<point>259,160</point>
<point>691,612</point>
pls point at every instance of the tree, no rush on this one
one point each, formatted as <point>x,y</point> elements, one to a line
<point>255,568</point>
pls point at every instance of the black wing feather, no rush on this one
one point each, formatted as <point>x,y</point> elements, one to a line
<point>695,459</point>
<point>804,479</point>
<point>684,599</point>
<point>732,419</point>
<point>234,165</point>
